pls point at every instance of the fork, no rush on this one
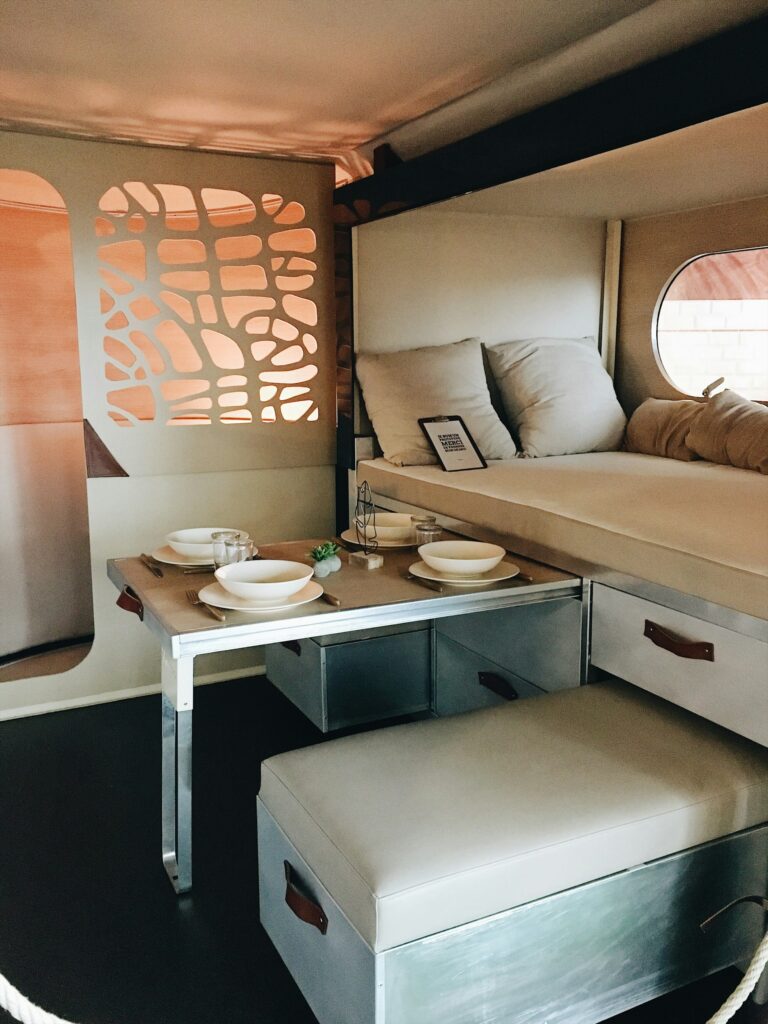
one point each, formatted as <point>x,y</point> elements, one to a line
<point>194,598</point>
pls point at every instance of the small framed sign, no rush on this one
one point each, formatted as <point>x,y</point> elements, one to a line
<point>452,442</point>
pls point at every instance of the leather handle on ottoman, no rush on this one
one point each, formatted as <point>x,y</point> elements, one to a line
<point>130,601</point>
<point>498,685</point>
<point>700,650</point>
<point>302,906</point>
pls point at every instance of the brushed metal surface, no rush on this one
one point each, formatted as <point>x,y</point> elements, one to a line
<point>589,953</point>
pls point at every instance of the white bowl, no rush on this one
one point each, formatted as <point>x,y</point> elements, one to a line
<point>392,526</point>
<point>461,557</point>
<point>267,580</point>
<point>197,543</point>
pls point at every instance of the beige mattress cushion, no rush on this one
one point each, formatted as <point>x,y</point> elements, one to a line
<point>733,431</point>
<point>660,427</point>
<point>696,527</point>
<point>423,827</point>
<point>400,388</point>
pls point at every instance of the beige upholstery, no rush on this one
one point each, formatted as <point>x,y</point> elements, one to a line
<point>423,827</point>
<point>696,527</point>
<point>733,431</point>
<point>400,388</point>
<point>660,426</point>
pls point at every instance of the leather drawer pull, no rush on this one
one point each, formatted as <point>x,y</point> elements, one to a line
<point>292,645</point>
<point>302,906</point>
<point>130,601</point>
<point>697,649</point>
<point>498,685</point>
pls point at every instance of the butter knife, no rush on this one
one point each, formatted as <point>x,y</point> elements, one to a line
<point>429,584</point>
<point>152,565</point>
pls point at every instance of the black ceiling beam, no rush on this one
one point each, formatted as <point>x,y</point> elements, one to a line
<point>718,76</point>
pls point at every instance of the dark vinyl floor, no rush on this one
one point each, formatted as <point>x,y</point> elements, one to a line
<point>89,926</point>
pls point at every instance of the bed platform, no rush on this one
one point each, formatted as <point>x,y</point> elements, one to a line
<point>694,527</point>
<point>549,860</point>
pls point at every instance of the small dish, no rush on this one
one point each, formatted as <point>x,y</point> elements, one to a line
<point>503,571</point>
<point>461,557</point>
<point>350,537</point>
<point>214,594</point>
<point>392,526</point>
<point>267,581</point>
<point>168,556</point>
<point>197,542</point>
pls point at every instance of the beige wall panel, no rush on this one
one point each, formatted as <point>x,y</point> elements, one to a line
<point>83,172</point>
<point>431,277</point>
<point>129,515</point>
<point>653,249</point>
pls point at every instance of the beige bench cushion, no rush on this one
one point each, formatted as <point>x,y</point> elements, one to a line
<point>692,526</point>
<point>423,827</point>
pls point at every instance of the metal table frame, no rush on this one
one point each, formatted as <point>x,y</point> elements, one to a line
<point>182,637</point>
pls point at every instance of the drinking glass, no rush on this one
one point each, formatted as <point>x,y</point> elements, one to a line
<point>426,533</point>
<point>220,538</point>
<point>238,549</point>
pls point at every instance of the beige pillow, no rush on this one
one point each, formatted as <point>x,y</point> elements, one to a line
<point>733,431</point>
<point>443,380</point>
<point>660,427</point>
<point>558,396</point>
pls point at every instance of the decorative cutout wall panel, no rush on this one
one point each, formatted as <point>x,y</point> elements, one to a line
<point>203,307</point>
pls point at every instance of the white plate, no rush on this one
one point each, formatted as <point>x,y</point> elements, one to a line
<point>503,571</point>
<point>168,556</point>
<point>351,538</point>
<point>216,595</point>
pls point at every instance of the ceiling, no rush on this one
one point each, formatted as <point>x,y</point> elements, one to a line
<point>720,160</point>
<point>319,78</point>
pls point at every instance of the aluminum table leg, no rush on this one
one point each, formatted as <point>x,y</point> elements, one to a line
<point>177,771</point>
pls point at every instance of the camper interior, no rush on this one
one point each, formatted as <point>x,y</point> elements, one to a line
<point>480,408</point>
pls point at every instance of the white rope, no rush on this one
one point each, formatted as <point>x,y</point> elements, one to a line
<point>741,993</point>
<point>20,1007</point>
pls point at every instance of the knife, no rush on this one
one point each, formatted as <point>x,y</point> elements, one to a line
<point>152,565</point>
<point>429,584</point>
<point>330,599</point>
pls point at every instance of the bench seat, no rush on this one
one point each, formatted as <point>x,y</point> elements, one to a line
<point>694,527</point>
<point>421,828</point>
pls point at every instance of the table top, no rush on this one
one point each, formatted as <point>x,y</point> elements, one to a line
<point>369,598</point>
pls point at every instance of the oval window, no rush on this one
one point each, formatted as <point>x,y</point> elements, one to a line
<point>712,321</point>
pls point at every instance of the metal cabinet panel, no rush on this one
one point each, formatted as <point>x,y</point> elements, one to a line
<point>538,642</point>
<point>653,647</point>
<point>342,684</point>
<point>457,680</point>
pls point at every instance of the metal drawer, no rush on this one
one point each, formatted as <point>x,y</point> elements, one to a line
<point>463,680</point>
<point>342,684</point>
<point>539,642</point>
<point>715,672</point>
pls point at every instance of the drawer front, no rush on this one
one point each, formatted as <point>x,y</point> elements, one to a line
<point>731,689</point>
<point>538,642</point>
<point>339,685</point>
<point>335,971</point>
<point>460,676</point>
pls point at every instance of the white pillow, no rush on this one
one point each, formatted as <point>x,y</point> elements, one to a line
<point>558,396</point>
<point>443,380</point>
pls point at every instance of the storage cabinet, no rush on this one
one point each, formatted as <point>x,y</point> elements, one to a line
<point>465,680</point>
<point>715,672</point>
<point>540,643</point>
<point>349,679</point>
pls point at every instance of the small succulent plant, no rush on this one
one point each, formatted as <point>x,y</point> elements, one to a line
<point>326,558</point>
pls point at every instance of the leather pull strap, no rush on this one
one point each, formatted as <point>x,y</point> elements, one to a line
<point>498,685</point>
<point>302,906</point>
<point>700,650</point>
<point>130,601</point>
